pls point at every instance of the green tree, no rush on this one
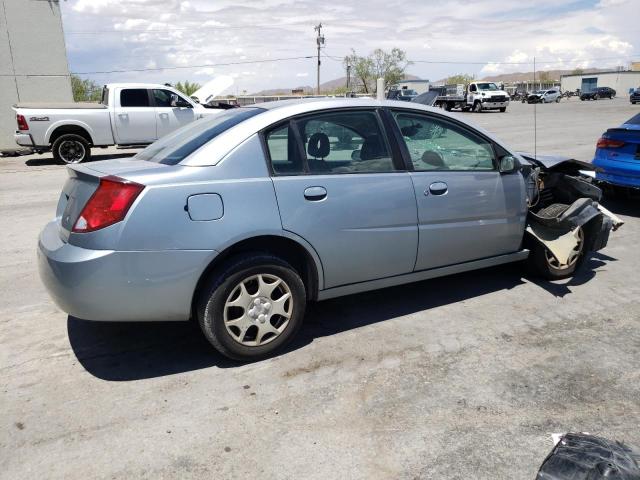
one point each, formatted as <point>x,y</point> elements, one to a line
<point>85,90</point>
<point>188,88</point>
<point>390,66</point>
<point>459,78</point>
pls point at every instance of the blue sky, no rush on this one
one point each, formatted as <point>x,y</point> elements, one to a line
<point>481,37</point>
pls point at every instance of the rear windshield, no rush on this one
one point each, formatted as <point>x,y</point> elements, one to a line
<point>635,120</point>
<point>178,145</point>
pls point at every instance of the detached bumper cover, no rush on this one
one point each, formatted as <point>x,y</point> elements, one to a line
<point>109,285</point>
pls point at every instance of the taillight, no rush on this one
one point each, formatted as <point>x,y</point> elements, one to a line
<point>604,142</point>
<point>109,204</point>
<point>22,122</point>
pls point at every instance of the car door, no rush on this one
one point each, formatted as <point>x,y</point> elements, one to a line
<point>134,117</point>
<point>339,187</point>
<point>467,210</point>
<point>171,112</point>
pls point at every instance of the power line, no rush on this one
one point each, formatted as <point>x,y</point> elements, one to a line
<point>204,65</point>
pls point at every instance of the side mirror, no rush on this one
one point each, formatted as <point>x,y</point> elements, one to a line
<point>507,164</point>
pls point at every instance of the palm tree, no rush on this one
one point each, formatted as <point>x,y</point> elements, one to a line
<point>187,87</point>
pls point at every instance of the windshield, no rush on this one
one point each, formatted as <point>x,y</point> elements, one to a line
<point>176,146</point>
<point>487,86</point>
<point>408,93</point>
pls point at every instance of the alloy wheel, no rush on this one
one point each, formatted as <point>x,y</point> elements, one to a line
<point>573,257</point>
<point>71,151</point>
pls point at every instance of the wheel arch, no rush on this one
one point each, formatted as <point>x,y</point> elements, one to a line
<point>58,129</point>
<point>292,249</point>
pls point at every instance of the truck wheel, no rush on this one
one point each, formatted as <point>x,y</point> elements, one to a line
<point>503,109</point>
<point>477,107</point>
<point>71,148</point>
<point>252,306</point>
<point>542,263</point>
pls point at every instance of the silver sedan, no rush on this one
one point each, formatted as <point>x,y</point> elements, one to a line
<point>241,219</point>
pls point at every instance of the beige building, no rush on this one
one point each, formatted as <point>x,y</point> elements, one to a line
<point>621,82</point>
<point>33,60</point>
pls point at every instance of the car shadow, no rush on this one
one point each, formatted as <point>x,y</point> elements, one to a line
<point>96,157</point>
<point>584,273</point>
<point>116,351</point>
<point>622,204</point>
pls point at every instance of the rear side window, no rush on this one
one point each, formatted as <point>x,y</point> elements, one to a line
<point>635,120</point>
<point>134,97</point>
<point>175,147</point>
<point>339,142</point>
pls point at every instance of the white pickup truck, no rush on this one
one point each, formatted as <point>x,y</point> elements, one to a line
<point>476,96</point>
<point>129,114</point>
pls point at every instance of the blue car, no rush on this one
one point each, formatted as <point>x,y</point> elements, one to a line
<point>618,155</point>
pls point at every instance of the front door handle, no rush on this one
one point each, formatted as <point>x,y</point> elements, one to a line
<point>315,194</point>
<point>437,188</point>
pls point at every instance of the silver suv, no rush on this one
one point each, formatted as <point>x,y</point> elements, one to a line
<point>238,220</point>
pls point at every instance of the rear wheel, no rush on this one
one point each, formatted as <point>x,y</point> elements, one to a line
<point>543,263</point>
<point>71,148</point>
<point>252,306</point>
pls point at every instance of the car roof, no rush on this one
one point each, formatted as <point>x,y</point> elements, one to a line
<point>278,111</point>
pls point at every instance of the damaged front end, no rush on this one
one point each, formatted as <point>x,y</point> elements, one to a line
<point>565,215</point>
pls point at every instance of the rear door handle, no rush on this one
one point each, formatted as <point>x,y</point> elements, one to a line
<point>315,194</point>
<point>437,188</point>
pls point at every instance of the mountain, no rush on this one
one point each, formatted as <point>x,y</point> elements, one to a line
<point>325,87</point>
<point>553,75</point>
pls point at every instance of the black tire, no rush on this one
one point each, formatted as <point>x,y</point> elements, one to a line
<point>538,264</point>
<point>503,109</point>
<point>596,97</point>
<point>222,283</point>
<point>71,148</point>
<point>477,107</point>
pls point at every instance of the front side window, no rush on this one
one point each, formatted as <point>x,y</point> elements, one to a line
<point>435,144</point>
<point>134,97</point>
<point>163,98</point>
<point>345,142</point>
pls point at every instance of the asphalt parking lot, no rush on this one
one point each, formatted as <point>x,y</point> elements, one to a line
<point>454,378</point>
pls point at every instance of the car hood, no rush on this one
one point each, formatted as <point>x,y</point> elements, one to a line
<point>555,162</point>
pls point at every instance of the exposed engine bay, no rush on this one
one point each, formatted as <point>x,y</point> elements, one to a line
<point>564,207</point>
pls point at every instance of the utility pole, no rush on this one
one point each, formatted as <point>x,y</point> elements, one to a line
<point>320,43</point>
<point>348,75</point>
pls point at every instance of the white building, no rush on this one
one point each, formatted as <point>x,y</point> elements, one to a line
<point>33,60</point>
<point>621,82</point>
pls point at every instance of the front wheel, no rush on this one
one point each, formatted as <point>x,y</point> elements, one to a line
<point>543,263</point>
<point>252,306</point>
<point>477,107</point>
<point>503,109</point>
<point>71,148</point>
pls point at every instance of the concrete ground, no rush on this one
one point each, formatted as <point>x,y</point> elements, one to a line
<point>455,378</point>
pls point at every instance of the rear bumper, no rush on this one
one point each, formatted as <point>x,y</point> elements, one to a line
<point>24,139</point>
<point>617,172</point>
<point>109,285</point>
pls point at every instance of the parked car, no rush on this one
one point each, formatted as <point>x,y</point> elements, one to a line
<point>545,96</point>
<point>128,114</point>
<point>618,155</point>
<point>403,94</point>
<point>634,96</point>
<point>598,93</point>
<point>240,219</point>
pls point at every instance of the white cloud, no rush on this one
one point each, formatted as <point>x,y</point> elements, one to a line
<point>175,33</point>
